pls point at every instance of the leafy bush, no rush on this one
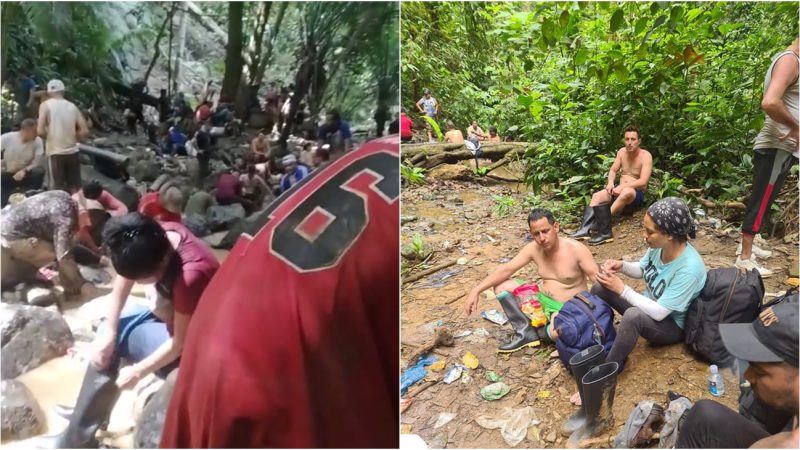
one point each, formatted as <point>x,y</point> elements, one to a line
<point>412,175</point>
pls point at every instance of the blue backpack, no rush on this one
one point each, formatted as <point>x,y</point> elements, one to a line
<point>583,321</point>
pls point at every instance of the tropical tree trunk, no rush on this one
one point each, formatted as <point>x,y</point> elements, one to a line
<point>183,23</point>
<point>156,47</point>
<point>234,61</point>
<point>272,35</point>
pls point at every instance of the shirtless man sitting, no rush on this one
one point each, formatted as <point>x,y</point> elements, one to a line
<point>564,266</point>
<point>453,136</point>
<point>259,148</point>
<point>635,165</point>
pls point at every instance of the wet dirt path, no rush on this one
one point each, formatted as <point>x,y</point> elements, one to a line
<point>456,220</point>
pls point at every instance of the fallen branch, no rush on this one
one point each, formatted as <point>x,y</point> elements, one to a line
<point>452,300</point>
<point>708,203</point>
<point>499,178</point>
<point>419,389</point>
<point>442,338</point>
<point>427,272</point>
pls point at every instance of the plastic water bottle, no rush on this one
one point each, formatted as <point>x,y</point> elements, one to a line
<point>715,383</point>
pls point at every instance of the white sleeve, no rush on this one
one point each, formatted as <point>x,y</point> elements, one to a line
<point>632,269</point>
<point>4,140</point>
<point>650,307</point>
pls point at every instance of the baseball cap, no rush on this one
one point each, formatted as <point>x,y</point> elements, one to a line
<point>55,86</point>
<point>288,159</point>
<point>772,337</point>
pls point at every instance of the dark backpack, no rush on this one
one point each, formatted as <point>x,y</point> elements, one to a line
<point>583,321</point>
<point>730,295</point>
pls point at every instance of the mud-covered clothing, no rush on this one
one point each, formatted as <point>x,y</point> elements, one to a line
<point>51,216</point>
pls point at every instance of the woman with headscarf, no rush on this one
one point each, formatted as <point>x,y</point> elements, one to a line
<point>674,275</point>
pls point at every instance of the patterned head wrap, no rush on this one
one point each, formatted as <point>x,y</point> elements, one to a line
<point>673,217</point>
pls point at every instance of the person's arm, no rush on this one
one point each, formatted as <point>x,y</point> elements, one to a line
<point>166,353</point>
<point>436,103</point>
<point>501,273</point>
<point>447,137</point>
<point>38,155</point>
<point>253,145</point>
<point>632,269</point>
<point>44,121</point>
<point>586,262</point>
<point>114,207</point>
<point>106,343</point>
<point>612,172</point>
<point>83,129</point>
<point>786,439</point>
<point>653,309</point>
<point>784,73</point>
<point>419,105</point>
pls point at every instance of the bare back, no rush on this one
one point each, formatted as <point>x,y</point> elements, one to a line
<point>564,271</point>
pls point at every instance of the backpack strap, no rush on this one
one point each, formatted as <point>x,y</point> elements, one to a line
<point>580,296</point>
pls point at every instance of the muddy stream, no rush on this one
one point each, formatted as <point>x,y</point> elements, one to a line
<point>456,219</point>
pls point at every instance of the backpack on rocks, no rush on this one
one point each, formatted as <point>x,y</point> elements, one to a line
<point>730,295</point>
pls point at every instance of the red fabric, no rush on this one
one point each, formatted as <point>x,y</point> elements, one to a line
<point>203,112</point>
<point>150,206</point>
<point>114,207</point>
<point>228,187</point>
<point>198,267</point>
<point>276,357</point>
<point>763,208</point>
<point>405,126</point>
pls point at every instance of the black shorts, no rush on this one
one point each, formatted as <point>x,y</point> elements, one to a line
<point>770,168</point>
<point>65,172</point>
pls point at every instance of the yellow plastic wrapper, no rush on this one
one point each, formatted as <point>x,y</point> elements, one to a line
<point>543,394</point>
<point>793,282</point>
<point>437,366</point>
<point>470,360</point>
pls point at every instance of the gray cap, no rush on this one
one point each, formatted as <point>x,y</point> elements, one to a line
<point>772,337</point>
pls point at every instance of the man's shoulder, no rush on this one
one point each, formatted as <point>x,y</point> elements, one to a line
<point>10,136</point>
<point>573,244</point>
<point>646,153</point>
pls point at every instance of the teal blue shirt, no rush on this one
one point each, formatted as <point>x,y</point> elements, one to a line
<point>675,285</point>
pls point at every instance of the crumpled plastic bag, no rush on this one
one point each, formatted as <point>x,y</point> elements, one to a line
<point>415,373</point>
<point>495,391</point>
<point>470,361</point>
<point>513,423</point>
<point>444,419</point>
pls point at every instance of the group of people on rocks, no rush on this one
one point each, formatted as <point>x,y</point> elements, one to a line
<point>674,274</point>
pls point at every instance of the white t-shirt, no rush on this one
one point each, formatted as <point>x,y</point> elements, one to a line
<point>769,136</point>
<point>17,154</point>
<point>62,126</point>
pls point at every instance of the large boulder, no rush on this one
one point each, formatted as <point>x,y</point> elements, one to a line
<point>21,417</point>
<point>145,169</point>
<point>451,172</point>
<point>222,217</point>
<point>150,423</point>
<point>31,336</point>
<point>197,224</point>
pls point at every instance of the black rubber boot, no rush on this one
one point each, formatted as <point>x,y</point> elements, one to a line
<point>599,386</point>
<point>96,399</point>
<point>581,363</point>
<point>587,224</point>
<point>602,213</point>
<point>524,333</point>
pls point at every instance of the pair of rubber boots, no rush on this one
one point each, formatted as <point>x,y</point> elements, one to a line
<point>525,334</point>
<point>598,219</point>
<point>96,399</point>
<point>597,383</point>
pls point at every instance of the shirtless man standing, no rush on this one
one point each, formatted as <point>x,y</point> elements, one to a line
<point>564,265</point>
<point>635,165</point>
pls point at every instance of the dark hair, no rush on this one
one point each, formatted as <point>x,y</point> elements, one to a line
<point>402,110</point>
<point>493,130</point>
<point>92,189</point>
<point>251,169</point>
<point>632,129</point>
<point>541,213</point>
<point>333,113</point>
<point>137,245</point>
<point>450,124</point>
<point>28,123</point>
<point>323,153</point>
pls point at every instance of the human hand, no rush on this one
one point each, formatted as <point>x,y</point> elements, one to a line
<point>791,134</point>
<point>472,303</point>
<point>617,190</point>
<point>611,282</point>
<point>610,188</point>
<point>20,175</point>
<point>128,377</point>
<point>105,344</point>
<point>611,266</point>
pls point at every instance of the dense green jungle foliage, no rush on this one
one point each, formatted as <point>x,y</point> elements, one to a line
<point>569,76</point>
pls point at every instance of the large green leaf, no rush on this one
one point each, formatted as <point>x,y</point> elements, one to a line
<point>617,20</point>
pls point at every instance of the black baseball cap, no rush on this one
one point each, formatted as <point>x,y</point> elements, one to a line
<point>772,337</point>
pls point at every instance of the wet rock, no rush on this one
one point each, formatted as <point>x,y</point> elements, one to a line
<point>150,423</point>
<point>197,224</point>
<point>22,417</point>
<point>145,169</point>
<point>222,217</point>
<point>406,219</point>
<point>40,296</point>
<point>551,436</point>
<point>31,336</point>
<point>794,267</point>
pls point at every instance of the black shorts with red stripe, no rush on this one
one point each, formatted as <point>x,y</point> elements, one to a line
<point>770,168</point>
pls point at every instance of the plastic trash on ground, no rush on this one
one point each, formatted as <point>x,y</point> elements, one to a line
<point>493,377</point>
<point>495,391</point>
<point>470,361</point>
<point>513,423</point>
<point>453,374</point>
<point>495,316</point>
<point>438,365</point>
<point>415,373</point>
<point>443,419</point>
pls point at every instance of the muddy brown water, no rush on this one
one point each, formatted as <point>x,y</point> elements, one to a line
<point>58,381</point>
<point>460,213</point>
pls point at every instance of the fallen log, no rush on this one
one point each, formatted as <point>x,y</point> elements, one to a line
<point>708,203</point>
<point>427,272</point>
<point>432,155</point>
<point>95,152</point>
<point>411,150</point>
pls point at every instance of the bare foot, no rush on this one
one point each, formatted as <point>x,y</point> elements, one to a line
<point>576,399</point>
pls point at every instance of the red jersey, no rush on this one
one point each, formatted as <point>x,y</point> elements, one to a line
<point>151,206</point>
<point>405,126</point>
<point>294,342</point>
<point>228,187</point>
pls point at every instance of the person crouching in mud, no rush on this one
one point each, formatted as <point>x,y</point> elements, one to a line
<point>175,267</point>
<point>564,266</point>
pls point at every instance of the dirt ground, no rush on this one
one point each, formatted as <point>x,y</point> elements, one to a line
<point>455,218</point>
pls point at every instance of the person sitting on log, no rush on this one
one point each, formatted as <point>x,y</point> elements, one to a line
<point>564,265</point>
<point>453,136</point>
<point>259,148</point>
<point>22,160</point>
<point>493,137</point>
<point>635,165</point>
<point>475,132</point>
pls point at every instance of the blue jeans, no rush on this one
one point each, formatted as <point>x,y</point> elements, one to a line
<point>140,334</point>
